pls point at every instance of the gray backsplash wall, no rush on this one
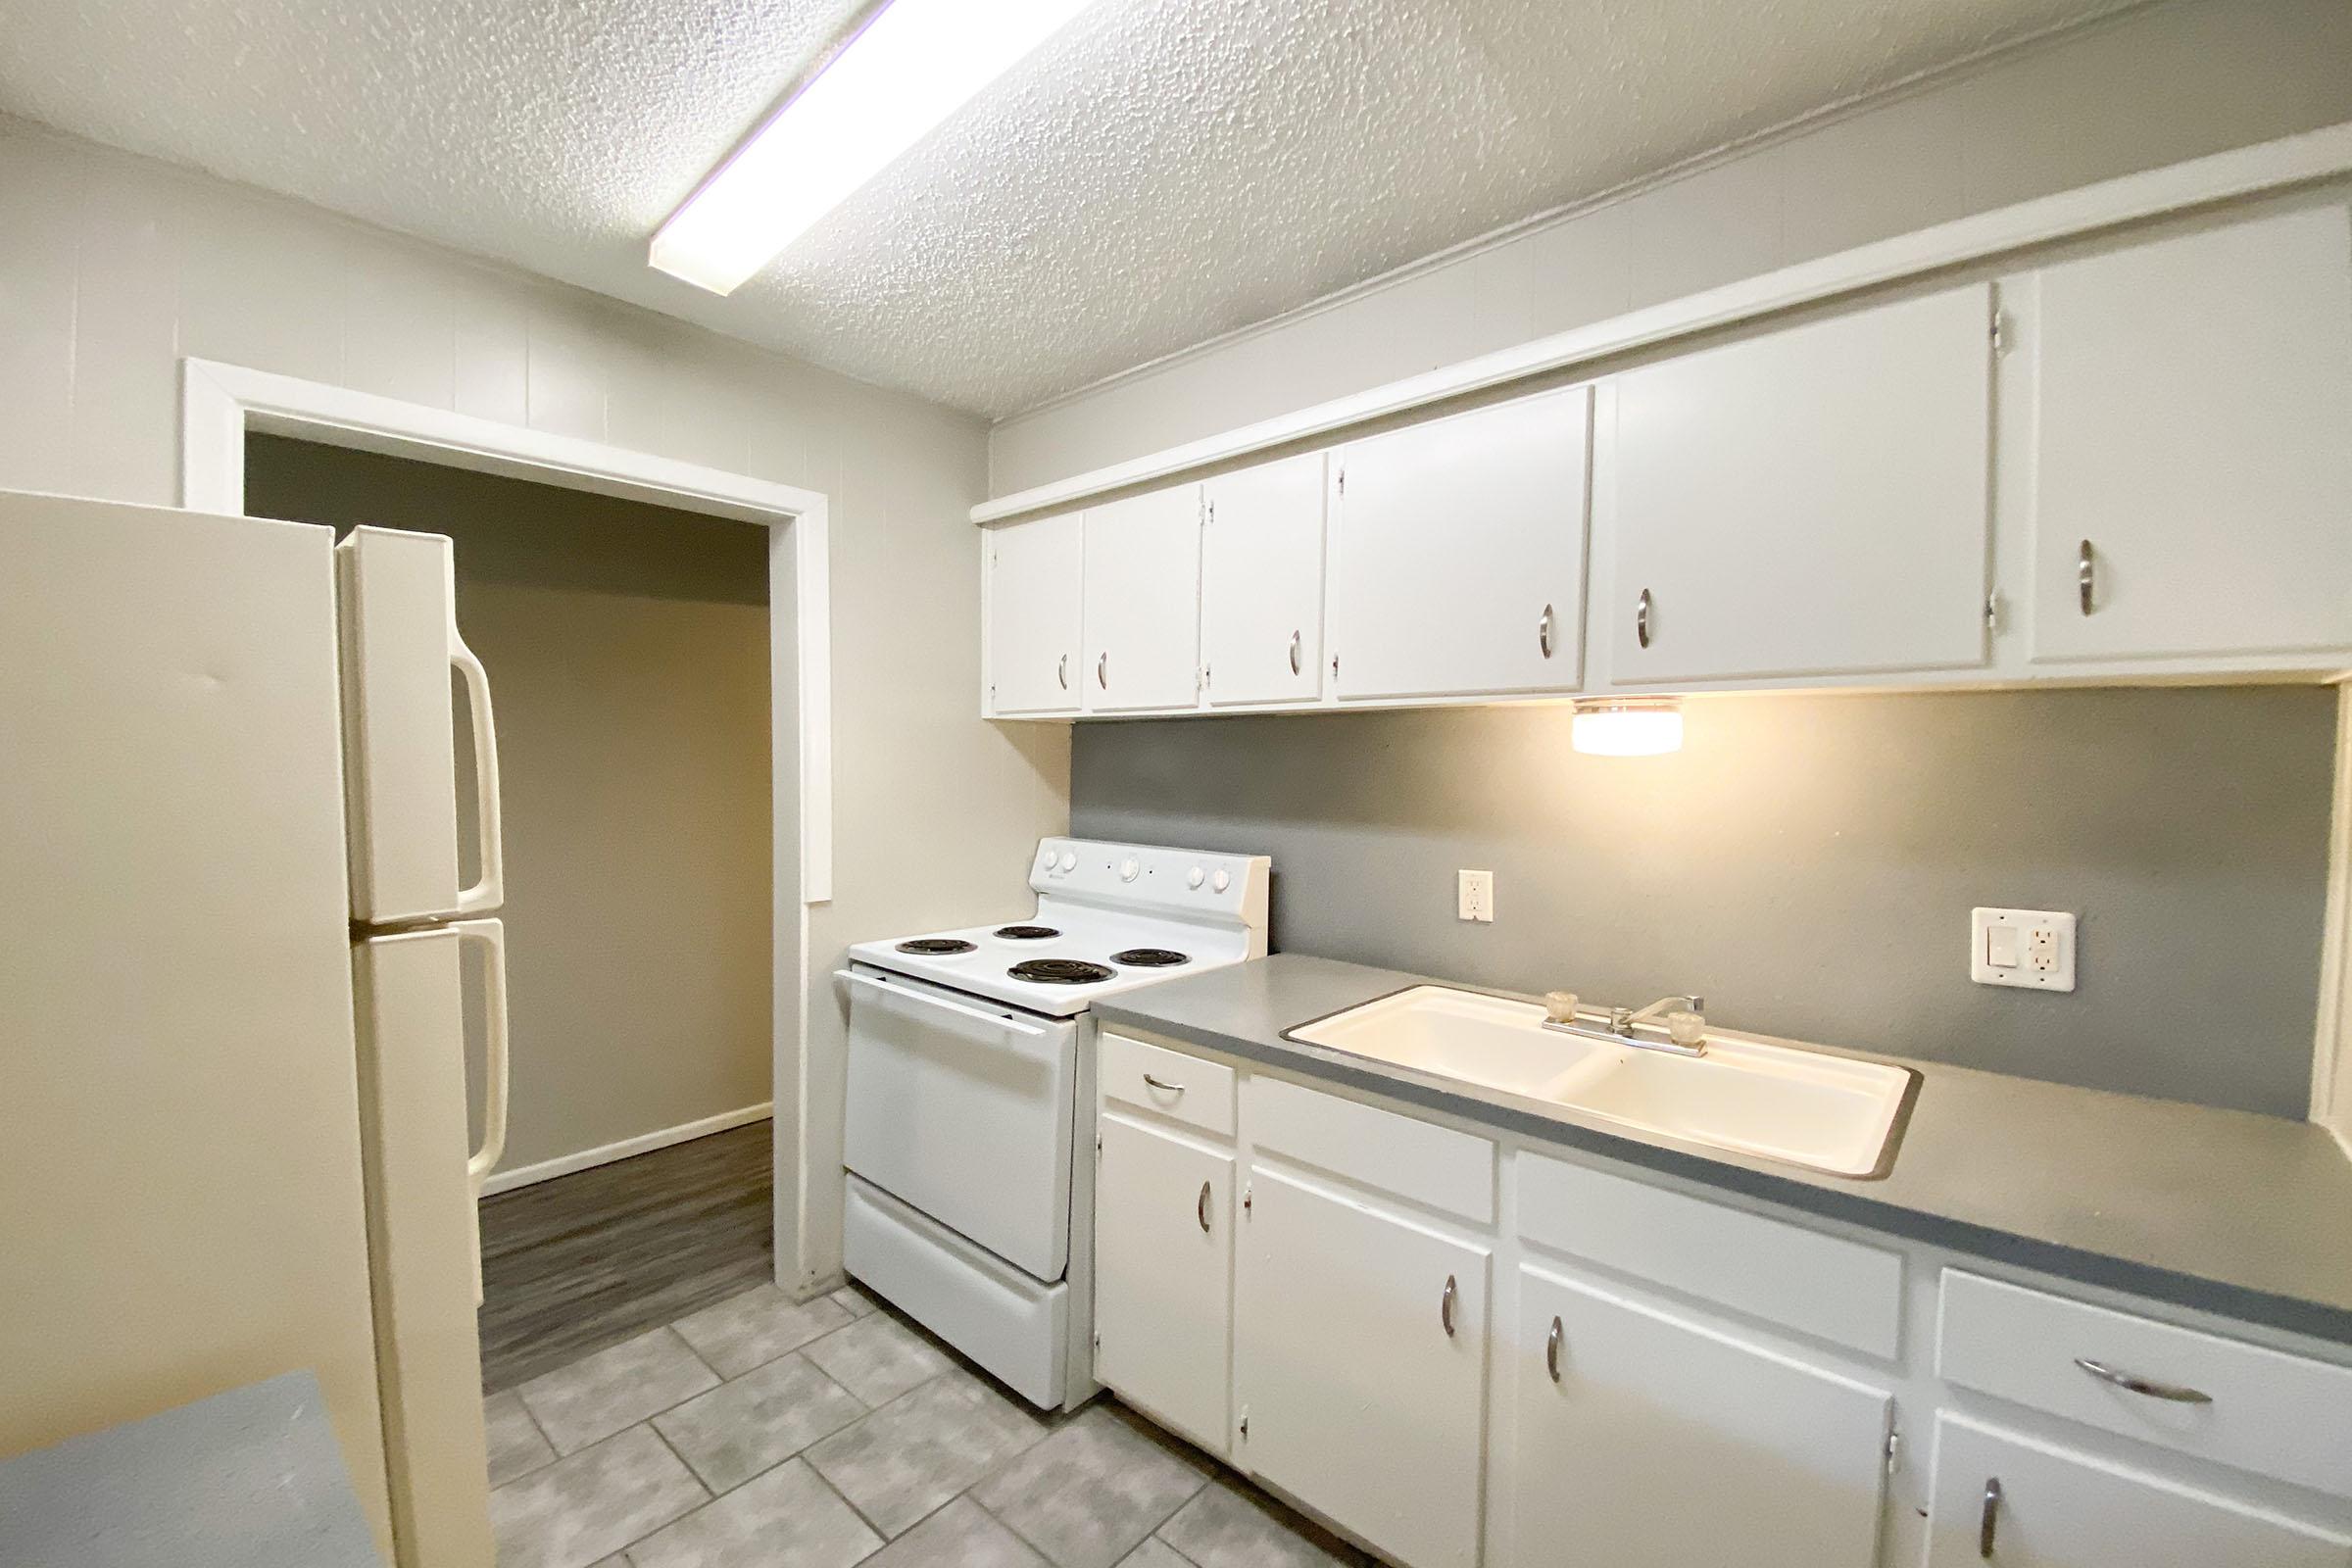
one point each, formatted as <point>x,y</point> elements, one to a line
<point>1806,863</point>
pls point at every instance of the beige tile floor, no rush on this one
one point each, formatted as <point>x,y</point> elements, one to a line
<point>816,1435</point>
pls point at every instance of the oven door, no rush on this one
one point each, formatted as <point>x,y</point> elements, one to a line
<point>963,1108</point>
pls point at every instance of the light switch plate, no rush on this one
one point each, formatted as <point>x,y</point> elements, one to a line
<point>1474,895</point>
<point>2033,948</point>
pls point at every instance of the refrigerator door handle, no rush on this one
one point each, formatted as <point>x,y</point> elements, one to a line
<point>490,890</point>
<point>492,935</point>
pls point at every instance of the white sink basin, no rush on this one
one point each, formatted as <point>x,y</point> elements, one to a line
<point>1782,1102</point>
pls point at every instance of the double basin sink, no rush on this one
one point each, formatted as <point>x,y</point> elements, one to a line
<point>1804,1108</point>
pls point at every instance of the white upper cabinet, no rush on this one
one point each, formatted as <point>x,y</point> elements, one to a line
<point>1034,595</point>
<point>1143,602</point>
<point>1813,502</point>
<point>2192,483</point>
<point>1459,554</point>
<point>1261,584</point>
<point>1621,1407</point>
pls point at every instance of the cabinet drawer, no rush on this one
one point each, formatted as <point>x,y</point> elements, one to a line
<point>1825,1286</point>
<point>1182,1088</point>
<point>1446,1170</point>
<point>2264,1410</point>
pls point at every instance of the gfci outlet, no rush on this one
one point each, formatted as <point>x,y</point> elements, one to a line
<point>2030,948</point>
<point>1474,895</point>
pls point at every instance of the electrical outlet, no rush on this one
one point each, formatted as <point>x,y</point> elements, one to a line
<point>2033,948</point>
<point>1474,895</point>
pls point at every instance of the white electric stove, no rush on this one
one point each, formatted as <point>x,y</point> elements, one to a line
<point>971,1089</point>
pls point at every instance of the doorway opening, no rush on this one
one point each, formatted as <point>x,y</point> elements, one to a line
<point>628,646</point>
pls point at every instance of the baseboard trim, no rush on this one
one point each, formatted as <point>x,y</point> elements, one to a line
<point>506,1181</point>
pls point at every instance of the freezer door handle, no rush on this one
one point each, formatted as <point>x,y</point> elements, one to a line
<point>490,890</point>
<point>492,937</point>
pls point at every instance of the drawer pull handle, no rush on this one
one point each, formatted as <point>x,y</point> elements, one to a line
<point>1061,672</point>
<point>1642,618</point>
<point>1296,648</point>
<point>1990,1518</point>
<point>2172,1391</point>
<point>2086,575</point>
<point>1544,631</point>
<point>1168,1088</point>
<point>1445,1306</point>
<point>1551,1351</point>
<point>1201,1208</point>
<point>1103,669</point>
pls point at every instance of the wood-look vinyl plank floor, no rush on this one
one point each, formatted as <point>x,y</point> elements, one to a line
<point>584,1261</point>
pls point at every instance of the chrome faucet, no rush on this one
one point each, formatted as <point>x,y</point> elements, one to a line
<point>1633,1026</point>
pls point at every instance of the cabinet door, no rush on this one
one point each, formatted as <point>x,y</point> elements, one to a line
<point>1659,1442</point>
<point>1035,591</point>
<point>2193,430</point>
<point>1164,1272</point>
<point>1143,602</point>
<point>1459,553</point>
<point>1813,502</point>
<point>1261,584</point>
<point>2016,1503</point>
<point>1359,1349</point>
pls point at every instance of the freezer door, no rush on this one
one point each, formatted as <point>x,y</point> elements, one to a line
<point>182,1204</point>
<point>423,1241</point>
<point>398,612</point>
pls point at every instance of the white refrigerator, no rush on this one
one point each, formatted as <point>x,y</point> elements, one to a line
<point>233,1124</point>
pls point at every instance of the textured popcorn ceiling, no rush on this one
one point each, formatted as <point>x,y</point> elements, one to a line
<point>1161,172</point>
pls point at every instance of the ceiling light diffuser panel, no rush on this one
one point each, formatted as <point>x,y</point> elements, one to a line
<point>913,66</point>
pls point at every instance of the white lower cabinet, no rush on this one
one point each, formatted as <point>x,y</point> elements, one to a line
<point>1645,1441</point>
<point>2019,1504</point>
<point>1317,1287</point>
<point>1359,1367</point>
<point>1163,1275</point>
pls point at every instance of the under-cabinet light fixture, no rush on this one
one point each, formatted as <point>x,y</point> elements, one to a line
<point>1616,727</point>
<point>913,65</point>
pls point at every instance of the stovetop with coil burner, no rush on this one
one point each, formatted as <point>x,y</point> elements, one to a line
<point>1108,917</point>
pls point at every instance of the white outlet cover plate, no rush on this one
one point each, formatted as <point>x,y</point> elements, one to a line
<point>2054,971</point>
<point>1474,895</point>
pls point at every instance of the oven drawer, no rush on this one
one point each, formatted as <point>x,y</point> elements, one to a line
<point>2238,1404</point>
<point>963,1108</point>
<point>1181,1088</point>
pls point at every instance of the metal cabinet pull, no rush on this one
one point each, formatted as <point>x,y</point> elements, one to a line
<point>2129,1384</point>
<point>1544,631</point>
<point>2087,573</point>
<point>1061,672</point>
<point>1642,618</point>
<point>1201,1208</point>
<point>1158,1083</point>
<point>1103,669</point>
<point>1445,1306</point>
<point>1296,648</point>
<point>1551,1351</point>
<point>1989,1518</point>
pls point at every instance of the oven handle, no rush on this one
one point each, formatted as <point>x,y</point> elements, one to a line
<point>994,1021</point>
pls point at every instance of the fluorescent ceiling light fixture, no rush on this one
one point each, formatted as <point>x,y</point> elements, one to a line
<point>1618,727</point>
<point>913,67</point>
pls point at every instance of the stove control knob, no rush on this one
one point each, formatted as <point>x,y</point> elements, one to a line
<point>1196,877</point>
<point>1221,881</point>
<point>1070,860</point>
<point>1130,868</point>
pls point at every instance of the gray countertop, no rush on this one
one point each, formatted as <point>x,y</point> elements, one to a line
<point>252,1478</point>
<point>2220,1211</point>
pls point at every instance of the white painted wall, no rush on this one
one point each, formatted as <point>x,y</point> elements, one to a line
<point>112,268</point>
<point>2151,87</point>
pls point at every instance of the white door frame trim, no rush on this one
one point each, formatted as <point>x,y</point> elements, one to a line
<point>219,403</point>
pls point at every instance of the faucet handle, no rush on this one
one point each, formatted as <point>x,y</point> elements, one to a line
<point>1559,1006</point>
<point>1686,1027</point>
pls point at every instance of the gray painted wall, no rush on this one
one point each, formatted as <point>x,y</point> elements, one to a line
<point>1807,863</point>
<point>627,650</point>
